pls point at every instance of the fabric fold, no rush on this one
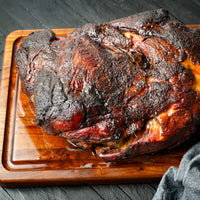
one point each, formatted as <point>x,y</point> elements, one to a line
<point>182,183</point>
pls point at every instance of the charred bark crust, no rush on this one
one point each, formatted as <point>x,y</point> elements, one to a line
<point>106,86</point>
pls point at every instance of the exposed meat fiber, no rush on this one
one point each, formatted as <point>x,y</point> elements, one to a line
<point>121,89</point>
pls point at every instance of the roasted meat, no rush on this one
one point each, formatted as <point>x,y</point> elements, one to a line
<point>121,89</point>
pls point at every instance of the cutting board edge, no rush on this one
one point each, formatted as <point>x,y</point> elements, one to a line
<point>19,178</point>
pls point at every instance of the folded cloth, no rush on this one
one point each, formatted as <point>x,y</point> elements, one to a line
<point>183,182</point>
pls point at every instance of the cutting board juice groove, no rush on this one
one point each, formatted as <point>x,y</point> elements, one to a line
<point>31,155</point>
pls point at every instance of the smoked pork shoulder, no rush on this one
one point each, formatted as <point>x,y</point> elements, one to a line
<point>120,89</point>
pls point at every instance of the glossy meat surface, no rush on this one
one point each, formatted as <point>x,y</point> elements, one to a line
<point>121,89</point>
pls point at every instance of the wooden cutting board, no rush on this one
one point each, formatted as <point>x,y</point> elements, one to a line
<point>32,157</point>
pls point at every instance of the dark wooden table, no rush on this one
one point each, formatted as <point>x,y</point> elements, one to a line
<point>36,14</point>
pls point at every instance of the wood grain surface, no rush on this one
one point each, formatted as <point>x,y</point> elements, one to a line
<point>32,156</point>
<point>36,14</point>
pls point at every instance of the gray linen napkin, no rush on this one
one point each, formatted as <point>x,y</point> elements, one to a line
<point>182,183</point>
